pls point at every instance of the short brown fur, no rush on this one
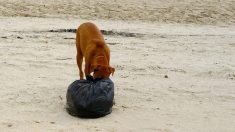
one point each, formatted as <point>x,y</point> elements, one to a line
<point>91,45</point>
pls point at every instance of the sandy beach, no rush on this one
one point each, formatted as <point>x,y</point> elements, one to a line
<point>174,61</point>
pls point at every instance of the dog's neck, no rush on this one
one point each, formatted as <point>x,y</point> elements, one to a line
<point>101,59</point>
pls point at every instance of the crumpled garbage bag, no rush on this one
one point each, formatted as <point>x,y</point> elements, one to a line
<point>90,98</point>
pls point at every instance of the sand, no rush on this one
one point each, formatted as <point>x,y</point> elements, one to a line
<point>167,11</point>
<point>172,75</point>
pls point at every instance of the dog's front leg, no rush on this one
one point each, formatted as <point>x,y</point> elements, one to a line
<point>87,69</point>
<point>79,63</point>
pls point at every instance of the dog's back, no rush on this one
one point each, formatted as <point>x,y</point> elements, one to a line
<point>88,33</point>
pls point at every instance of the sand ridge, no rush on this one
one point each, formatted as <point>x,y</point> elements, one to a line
<point>171,11</point>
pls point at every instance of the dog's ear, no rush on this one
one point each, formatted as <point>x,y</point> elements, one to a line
<point>112,70</point>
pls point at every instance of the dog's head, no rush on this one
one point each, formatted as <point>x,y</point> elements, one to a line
<point>101,71</point>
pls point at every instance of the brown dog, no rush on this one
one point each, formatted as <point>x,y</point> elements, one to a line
<point>91,45</point>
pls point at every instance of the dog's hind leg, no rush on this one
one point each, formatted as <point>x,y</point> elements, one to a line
<point>79,55</point>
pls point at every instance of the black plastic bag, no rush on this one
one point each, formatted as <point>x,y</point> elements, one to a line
<point>90,98</point>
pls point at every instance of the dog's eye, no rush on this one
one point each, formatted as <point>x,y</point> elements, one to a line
<point>95,70</point>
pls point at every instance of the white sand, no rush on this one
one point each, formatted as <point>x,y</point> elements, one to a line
<point>36,68</point>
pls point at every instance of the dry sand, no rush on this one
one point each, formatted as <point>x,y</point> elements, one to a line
<point>172,74</point>
<point>170,11</point>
